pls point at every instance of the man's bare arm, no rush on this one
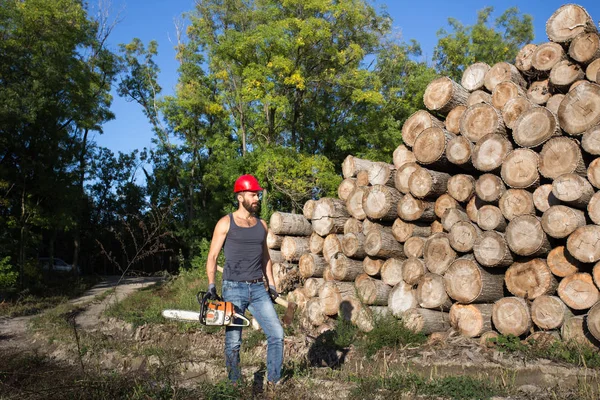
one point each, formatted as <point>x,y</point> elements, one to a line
<point>216,244</point>
<point>267,265</point>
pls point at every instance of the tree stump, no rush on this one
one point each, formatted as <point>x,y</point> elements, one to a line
<point>513,109</point>
<point>582,243</point>
<point>543,198</point>
<point>443,94</point>
<point>471,320</point>
<point>311,265</point>
<point>417,123</point>
<point>500,72</point>
<point>466,282</point>
<point>526,237</point>
<point>535,126</point>
<point>289,224</point>
<point>473,78</point>
<point>561,262</point>
<point>511,316</point>
<point>413,247</point>
<point>491,250</point>
<point>578,291</point>
<point>480,120</point>
<point>567,22</point>
<point>573,190</point>
<point>490,151</point>
<point>412,270</point>
<point>549,312</point>
<point>402,298</point>
<point>463,235</point>
<point>530,279</point>
<point>461,187</point>
<point>561,155</point>
<point>560,221</point>
<point>516,202</point>
<point>520,169</point>
<point>438,254</point>
<point>431,292</point>
<point>580,109</point>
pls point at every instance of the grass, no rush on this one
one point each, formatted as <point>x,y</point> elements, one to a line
<point>389,332</point>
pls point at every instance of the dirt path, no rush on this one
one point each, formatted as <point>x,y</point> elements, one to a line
<point>13,331</point>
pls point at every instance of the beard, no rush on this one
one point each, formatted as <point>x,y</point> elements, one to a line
<point>252,208</point>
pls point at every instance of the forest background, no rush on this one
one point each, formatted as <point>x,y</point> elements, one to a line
<point>284,90</point>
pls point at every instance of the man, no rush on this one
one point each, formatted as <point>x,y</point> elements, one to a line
<point>243,236</point>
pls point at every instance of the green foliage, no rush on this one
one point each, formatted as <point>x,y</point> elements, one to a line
<point>465,45</point>
<point>8,276</point>
<point>395,386</point>
<point>389,332</point>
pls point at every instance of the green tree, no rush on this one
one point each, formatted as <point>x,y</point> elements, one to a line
<point>465,45</point>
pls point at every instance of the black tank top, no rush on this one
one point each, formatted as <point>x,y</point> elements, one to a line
<point>244,251</point>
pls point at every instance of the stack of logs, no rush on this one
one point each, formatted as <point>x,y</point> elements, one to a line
<point>488,220</point>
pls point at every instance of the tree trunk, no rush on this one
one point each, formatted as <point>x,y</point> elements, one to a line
<point>430,147</point>
<point>585,48</point>
<point>554,102</point>
<point>472,208</point>
<point>580,109</point>
<point>590,142</point>
<point>315,243</point>
<point>524,58</point>
<point>344,268</point>
<point>561,262</point>
<point>564,74</point>
<point>490,152</point>
<point>443,94</point>
<point>543,198</point>
<point>592,70</point>
<point>480,120</point>
<point>369,225</point>
<point>490,188</point>
<point>332,293</point>
<point>353,225</point>
<point>490,218</point>
<point>578,291</point>
<point>491,250</point>
<point>471,320</point>
<point>511,316</point>
<point>444,203</point>
<point>413,269</point>
<point>479,96</point>
<point>567,22</point>
<point>285,276</point>
<point>504,91</point>
<point>487,339</point>
<point>402,155</point>
<point>461,187</point>
<point>362,178</point>
<point>438,254</point>
<point>431,292</point>
<point>346,187</point>
<point>575,84</point>
<point>459,151</point>
<point>403,175</point>
<point>549,312</point>
<point>526,237</point>
<point>330,216</point>
<point>276,256</point>
<point>520,169</point>
<point>425,183</point>
<point>561,155</point>
<point>351,165</point>
<point>273,240</point>
<point>560,221</point>
<point>592,321</point>
<point>401,298</point>
<point>289,224</point>
<point>539,92</point>
<point>372,266</point>
<point>463,235</point>
<point>353,310</point>
<point>413,247</point>
<point>292,247</point>
<point>452,122</point>
<point>403,230</point>
<point>413,209</point>
<point>354,202</point>
<point>546,56</point>
<point>436,227</point>
<point>373,292</point>
<point>473,78</point>
<point>353,245</point>
<point>513,109</point>
<point>311,265</point>
<point>314,312</point>
<point>582,243</point>
<point>391,271</point>
<point>426,321</point>
<point>308,209</point>
<point>535,126</point>
<point>593,173</point>
<point>516,202</point>
<point>382,244</point>
<point>381,173</point>
<point>500,72</point>
<point>331,246</point>
<point>466,282</point>
<point>417,123</point>
<point>381,203</point>
<point>312,286</point>
<point>573,190</point>
<point>530,279</point>
<point>299,297</point>
<point>573,330</point>
<point>593,208</point>
<point>452,216</point>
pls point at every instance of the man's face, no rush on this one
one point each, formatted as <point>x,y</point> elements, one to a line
<point>250,201</point>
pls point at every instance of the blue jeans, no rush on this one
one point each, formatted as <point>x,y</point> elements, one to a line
<point>254,297</point>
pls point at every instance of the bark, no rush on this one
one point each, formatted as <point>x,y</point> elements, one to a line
<point>289,224</point>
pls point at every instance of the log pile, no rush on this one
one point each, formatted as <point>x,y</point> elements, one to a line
<point>487,218</point>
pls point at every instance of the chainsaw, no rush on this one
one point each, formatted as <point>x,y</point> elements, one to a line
<point>212,313</point>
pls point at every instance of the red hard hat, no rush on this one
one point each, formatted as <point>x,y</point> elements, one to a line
<point>246,183</point>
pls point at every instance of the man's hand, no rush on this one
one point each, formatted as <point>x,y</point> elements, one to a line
<point>273,293</point>
<point>212,292</point>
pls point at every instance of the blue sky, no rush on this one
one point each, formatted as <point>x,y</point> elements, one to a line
<point>154,20</point>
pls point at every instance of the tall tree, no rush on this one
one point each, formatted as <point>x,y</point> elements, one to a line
<point>485,42</point>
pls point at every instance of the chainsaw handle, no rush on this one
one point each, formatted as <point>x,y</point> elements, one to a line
<point>279,300</point>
